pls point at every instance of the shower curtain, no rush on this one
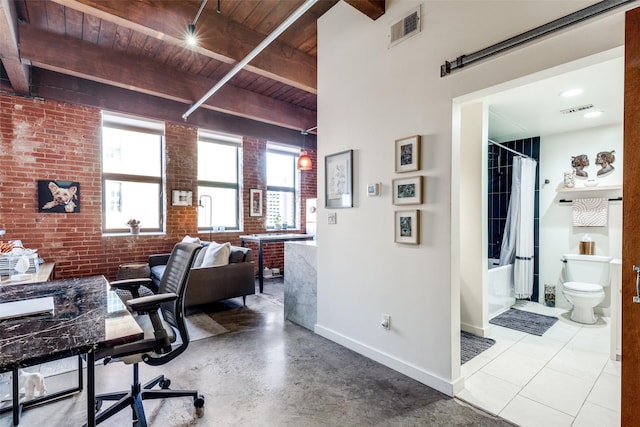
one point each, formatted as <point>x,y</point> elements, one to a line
<point>517,240</point>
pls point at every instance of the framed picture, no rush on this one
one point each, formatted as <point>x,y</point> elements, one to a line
<point>408,154</point>
<point>181,198</point>
<point>338,180</point>
<point>407,227</point>
<point>255,202</point>
<point>407,191</point>
<point>58,196</point>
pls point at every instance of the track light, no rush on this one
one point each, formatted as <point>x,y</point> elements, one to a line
<point>192,40</point>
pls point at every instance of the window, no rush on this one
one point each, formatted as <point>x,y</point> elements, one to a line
<point>132,169</point>
<point>282,185</point>
<point>218,181</point>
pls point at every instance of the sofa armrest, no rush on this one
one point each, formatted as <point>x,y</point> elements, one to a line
<point>158,259</point>
<point>209,284</point>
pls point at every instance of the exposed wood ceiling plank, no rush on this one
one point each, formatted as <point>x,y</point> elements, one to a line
<point>86,60</point>
<point>18,73</point>
<point>221,39</point>
<point>374,9</point>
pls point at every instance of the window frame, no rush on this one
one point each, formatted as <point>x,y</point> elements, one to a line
<point>294,152</point>
<point>141,125</point>
<point>209,137</point>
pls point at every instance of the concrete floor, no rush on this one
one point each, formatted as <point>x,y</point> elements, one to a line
<point>269,372</point>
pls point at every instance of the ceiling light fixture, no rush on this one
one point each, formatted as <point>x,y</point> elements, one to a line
<point>304,161</point>
<point>571,93</point>
<point>592,114</point>
<point>192,36</point>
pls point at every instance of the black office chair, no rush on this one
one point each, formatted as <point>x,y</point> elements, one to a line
<point>161,317</point>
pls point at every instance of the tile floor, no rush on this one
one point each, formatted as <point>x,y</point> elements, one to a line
<point>563,378</point>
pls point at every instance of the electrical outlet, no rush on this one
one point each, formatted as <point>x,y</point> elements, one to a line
<point>386,321</point>
<point>332,218</point>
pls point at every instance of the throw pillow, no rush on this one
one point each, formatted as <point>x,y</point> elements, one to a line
<point>189,239</point>
<point>217,255</point>
<point>198,261</point>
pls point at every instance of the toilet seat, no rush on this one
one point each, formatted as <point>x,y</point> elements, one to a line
<point>582,287</point>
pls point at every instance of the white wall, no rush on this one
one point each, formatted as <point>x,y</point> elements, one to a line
<point>557,234</point>
<point>369,96</point>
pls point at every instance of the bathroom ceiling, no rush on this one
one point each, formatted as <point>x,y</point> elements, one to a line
<point>535,109</point>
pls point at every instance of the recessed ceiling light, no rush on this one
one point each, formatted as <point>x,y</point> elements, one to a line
<point>592,114</point>
<point>571,92</point>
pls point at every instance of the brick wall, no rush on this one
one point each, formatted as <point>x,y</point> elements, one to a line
<point>57,141</point>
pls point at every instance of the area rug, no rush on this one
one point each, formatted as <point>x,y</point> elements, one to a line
<point>201,326</point>
<point>472,345</point>
<point>525,321</point>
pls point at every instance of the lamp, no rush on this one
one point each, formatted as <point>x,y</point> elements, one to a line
<point>304,161</point>
<point>192,36</point>
<point>201,205</point>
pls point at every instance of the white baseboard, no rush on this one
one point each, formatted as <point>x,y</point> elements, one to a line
<point>472,329</point>
<point>412,371</point>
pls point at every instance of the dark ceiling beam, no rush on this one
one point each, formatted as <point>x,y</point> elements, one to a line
<point>374,9</point>
<point>73,90</point>
<point>18,72</point>
<point>220,38</point>
<point>75,57</point>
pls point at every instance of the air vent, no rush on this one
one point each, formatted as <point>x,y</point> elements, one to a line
<point>576,109</point>
<point>405,27</point>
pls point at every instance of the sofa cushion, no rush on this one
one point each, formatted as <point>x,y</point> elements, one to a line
<point>156,273</point>
<point>217,255</point>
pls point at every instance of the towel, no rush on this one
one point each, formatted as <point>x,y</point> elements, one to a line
<point>590,212</point>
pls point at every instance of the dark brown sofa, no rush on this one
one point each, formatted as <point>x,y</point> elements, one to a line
<point>210,284</point>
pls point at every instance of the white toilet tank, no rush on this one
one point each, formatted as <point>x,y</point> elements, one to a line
<point>587,269</point>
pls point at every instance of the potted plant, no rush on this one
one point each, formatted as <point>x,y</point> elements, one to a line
<point>277,222</point>
<point>134,226</point>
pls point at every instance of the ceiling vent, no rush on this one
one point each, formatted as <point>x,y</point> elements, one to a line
<point>405,27</point>
<point>576,109</point>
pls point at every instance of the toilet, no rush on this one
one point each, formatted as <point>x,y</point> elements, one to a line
<point>587,276</point>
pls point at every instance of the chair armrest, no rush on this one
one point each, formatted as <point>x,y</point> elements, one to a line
<point>158,259</point>
<point>132,285</point>
<point>150,303</point>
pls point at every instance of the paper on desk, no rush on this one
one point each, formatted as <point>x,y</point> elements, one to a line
<point>27,307</point>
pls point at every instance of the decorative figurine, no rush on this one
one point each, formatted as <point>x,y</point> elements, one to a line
<point>579,163</point>
<point>604,159</point>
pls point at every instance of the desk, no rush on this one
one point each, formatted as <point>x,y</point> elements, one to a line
<point>262,239</point>
<point>45,272</point>
<point>87,317</point>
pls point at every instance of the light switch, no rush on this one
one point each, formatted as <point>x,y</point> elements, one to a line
<point>332,218</point>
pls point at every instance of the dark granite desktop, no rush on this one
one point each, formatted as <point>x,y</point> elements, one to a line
<point>87,316</point>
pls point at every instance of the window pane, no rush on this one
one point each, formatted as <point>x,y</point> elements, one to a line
<point>125,200</point>
<point>281,203</point>
<point>129,152</point>
<point>280,170</point>
<point>224,208</point>
<point>217,162</point>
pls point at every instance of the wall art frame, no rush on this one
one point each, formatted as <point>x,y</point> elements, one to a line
<point>407,227</point>
<point>56,196</point>
<point>407,154</point>
<point>181,198</point>
<point>255,202</point>
<point>338,180</point>
<point>407,191</point>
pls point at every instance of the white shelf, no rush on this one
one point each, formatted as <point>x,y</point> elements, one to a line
<point>586,189</point>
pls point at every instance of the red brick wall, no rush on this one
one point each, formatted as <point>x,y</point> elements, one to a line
<point>57,141</point>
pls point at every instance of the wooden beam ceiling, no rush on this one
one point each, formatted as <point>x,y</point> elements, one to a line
<point>74,57</point>
<point>374,9</point>
<point>17,72</point>
<point>220,38</point>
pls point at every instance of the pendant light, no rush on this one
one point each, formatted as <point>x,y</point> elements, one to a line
<point>304,161</point>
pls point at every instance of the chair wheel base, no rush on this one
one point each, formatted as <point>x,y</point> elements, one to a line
<point>165,383</point>
<point>199,404</point>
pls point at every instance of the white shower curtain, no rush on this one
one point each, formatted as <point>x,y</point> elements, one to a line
<point>517,240</point>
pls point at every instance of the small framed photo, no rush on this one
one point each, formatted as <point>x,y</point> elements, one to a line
<point>338,184</point>
<point>407,191</point>
<point>181,198</point>
<point>407,227</point>
<point>58,196</point>
<point>255,202</point>
<point>408,154</point>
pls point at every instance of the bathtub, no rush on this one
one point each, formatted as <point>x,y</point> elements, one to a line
<point>500,295</point>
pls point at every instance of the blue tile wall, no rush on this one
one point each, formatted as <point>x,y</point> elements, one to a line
<point>499,192</point>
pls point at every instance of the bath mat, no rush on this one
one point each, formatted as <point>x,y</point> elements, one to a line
<point>472,345</point>
<point>524,321</point>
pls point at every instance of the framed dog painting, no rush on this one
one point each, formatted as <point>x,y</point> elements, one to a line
<point>58,196</point>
